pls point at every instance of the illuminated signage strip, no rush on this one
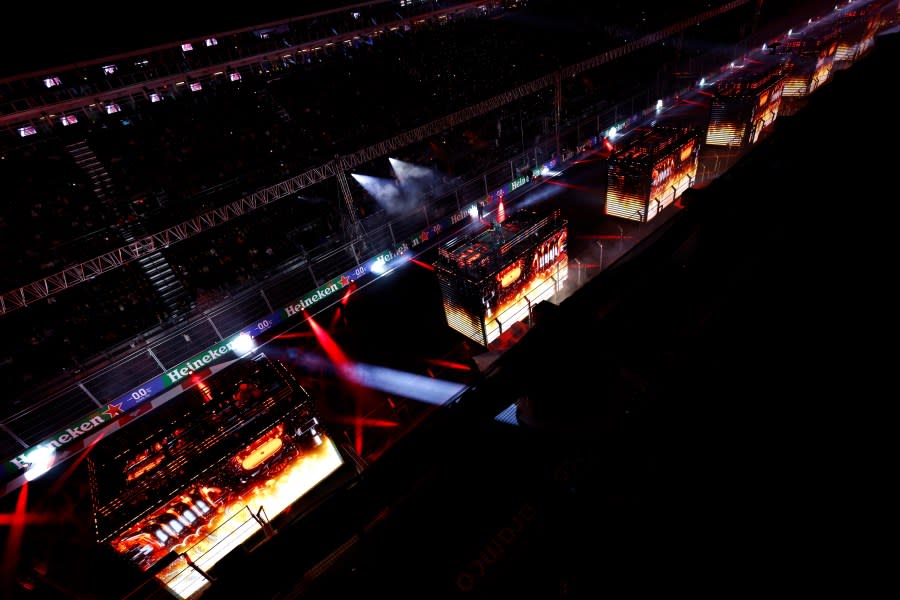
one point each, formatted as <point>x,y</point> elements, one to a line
<point>72,437</point>
<point>80,435</point>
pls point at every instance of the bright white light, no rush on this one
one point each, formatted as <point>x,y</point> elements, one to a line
<point>764,47</point>
<point>612,132</point>
<point>473,211</point>
<point>810,21</point>
<point>196,86</point>
<point>234,76</point>
<point>790,31</point>
<point>378,267</point>
<point>407,170</point>
<point>732,64</point>
<point>243,344</point>
<point>403,383</point>
<point>702,81</point>
<point>659,105</point>
<point>154,97</point>
<point>387,192</point>
<point>187,47</point>
<point>41,460</point>
<point>547,172</point>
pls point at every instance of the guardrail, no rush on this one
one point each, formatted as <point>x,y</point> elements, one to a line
<point>93,400</point>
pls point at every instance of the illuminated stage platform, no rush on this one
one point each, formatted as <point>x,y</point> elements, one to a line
<point>746,102</point>
<point>495,277</point>
<point>650,171</point>
<point>856,30</point>
<point>178,490</point>
<point>810,66</point>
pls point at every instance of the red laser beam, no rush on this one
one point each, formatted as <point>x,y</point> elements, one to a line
<point>572,186</point>
<point>29,518</point>
<point>57,485</point>
<point>359,422</point>
<point>346,298</point>
<point>14,540</point>
<point>603,237</point>
<point>332,350</point>
<point>448,364</point>
<point>422,264</point>
<point>335,318</point>
<point>298,334</point>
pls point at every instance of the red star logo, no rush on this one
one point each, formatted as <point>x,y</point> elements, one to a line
<point>113,410</point>
<point>345,281</point>
<point>424,236</point>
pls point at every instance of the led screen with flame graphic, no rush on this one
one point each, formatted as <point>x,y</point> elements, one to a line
<point>510,274</point>
<point>202,473</point>
<point>767,113</point>
<point>526,284</point>
<point>493,279</point>
<point>820,77</point>
<point>735,122</point>
<point>687,150</point>
<point>546,259</point>
<point>726,134</point>
<point>652,174</point>
<point>206,522</point>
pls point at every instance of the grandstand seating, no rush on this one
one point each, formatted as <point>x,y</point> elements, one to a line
<point>189,152</point>
<point>49,216</point>
<point>60,334</point>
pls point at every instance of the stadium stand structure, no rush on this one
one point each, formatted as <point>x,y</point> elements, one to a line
<point>167,293</point>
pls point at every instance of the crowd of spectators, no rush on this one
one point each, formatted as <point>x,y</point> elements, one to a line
<point>180,45</point>
<point>50,215</point>
<point>243,252</point>
<point>195,150</point>
<point>61,333</point>
<point>187,145</point>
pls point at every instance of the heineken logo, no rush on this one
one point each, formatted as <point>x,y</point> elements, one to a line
<point>201,361</point>
<point>69,434</point>
<point>323,292</point>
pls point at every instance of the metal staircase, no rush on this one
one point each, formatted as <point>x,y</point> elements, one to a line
<point>154,265</point>
<point>86,159</point>
<point>159,272</point>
